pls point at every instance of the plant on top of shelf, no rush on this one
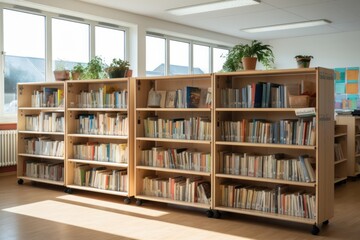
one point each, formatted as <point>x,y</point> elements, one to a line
<point>303,61</point>
<point>94,69</point>
<point>77,71</point>
<point>118,68</point>
<point>239,56</point>
<point>60,72</point>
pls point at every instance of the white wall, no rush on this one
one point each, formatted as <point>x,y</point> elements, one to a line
<point>333,50</point>
<point>137,24</point>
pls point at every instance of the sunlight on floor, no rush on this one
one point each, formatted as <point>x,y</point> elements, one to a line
<point>114,223</point>
<point>116,206</point>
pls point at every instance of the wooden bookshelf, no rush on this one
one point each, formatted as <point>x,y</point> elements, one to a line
<point>99,156</point>
<point>353,137</point>
<point>162,143</point>
<point>40,105</point>
<point>318,81</point>
<point>340,157</point>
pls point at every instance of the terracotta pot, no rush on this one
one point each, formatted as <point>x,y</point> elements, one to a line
<point>75,75</point>
<point>62,75</point>
<point>249,63</point>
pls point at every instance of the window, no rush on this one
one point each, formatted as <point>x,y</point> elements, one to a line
<point>179,58</point>
<point>155,56</point>
<point>24,60</point>
<point>26,47</point>
<point>219,57</point>
<point>109,44</point>
<point>169,56</point>
<point>201,59</point>
<point>70,43</point>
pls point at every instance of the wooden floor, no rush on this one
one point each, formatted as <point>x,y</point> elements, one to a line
<point>39,211</point>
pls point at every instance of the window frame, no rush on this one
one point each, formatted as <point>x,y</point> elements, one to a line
<point>11,117</point>
<point>191,43</point>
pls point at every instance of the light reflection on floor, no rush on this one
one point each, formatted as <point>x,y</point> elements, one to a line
<point>112,205</point>
<point>114,223</point>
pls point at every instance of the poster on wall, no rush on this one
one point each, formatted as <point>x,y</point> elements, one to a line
<point>347,94</point>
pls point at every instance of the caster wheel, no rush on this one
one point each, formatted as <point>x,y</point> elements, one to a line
<point>209,213</point>
<point>20,181</point>
<point>217,214</point>
<point>326,222</point>
<point>69,190</point>
<point>138,202</point>
<point>315,230</point>
<point>127,200</point>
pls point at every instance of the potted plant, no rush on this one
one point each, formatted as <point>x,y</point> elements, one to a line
<point>77,71</point>
<point>94,69</point>
<point>245,56</point>
<point>60,72</point>
<point>303,61</point>
<point>118,68</point>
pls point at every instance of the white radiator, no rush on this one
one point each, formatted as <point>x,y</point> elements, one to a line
<point>8,151</point>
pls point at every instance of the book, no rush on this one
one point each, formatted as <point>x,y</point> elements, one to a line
<point>170,99</point>
<point>192,97</point>
<point>154,98</point>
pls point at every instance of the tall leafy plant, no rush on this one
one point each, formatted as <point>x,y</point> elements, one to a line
<point>257,49</point>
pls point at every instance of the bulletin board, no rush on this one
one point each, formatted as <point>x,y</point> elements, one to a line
<point>347,94</point>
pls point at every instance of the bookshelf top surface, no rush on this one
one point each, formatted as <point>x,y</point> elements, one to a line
<point>106,80</point>
<point>270,72</point>
<point>177,77</point>
<point>58,83</point>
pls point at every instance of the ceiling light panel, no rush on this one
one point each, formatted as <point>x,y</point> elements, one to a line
<point>212,6</point>
<point>287,26</point>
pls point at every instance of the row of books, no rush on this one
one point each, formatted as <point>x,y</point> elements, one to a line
<point>48,97</point>
<point>187,97</point>
<point>103,98</point>
<point>102,124</point>
<point>45,170</point>
<point>292,131</point>
<point>44,146</point>
<point>104,152</point>
<point>258,95</point>
<point>339,155</point>
<point>45,122</point>
<point>278,200</point>
<point>268,166</point>
<point>101,177</point>
<point>194,128</point>
<point>179,158</point>
<point>180,188</point>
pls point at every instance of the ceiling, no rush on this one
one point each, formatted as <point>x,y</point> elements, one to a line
<point>344,15</point>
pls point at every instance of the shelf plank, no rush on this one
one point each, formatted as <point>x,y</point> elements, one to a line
<point>41,180</point>
<point>256,110</point>
<point>266,145</point>
<point>93,162</point>
<point>339,179</point>
<point>173,140</point>
<point>99,109</point>
<point>340,161</point>
<point>337,135</point>
<point>267,215</point>
<point>266,180</point>
<point>41,156</point>
<point>42,133</point>
<point>44,109</point>
<point>173,109</point>
<point>91,189</point>
<point>167,200</point>
<point>97,136</point>
<point>174,170</point>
